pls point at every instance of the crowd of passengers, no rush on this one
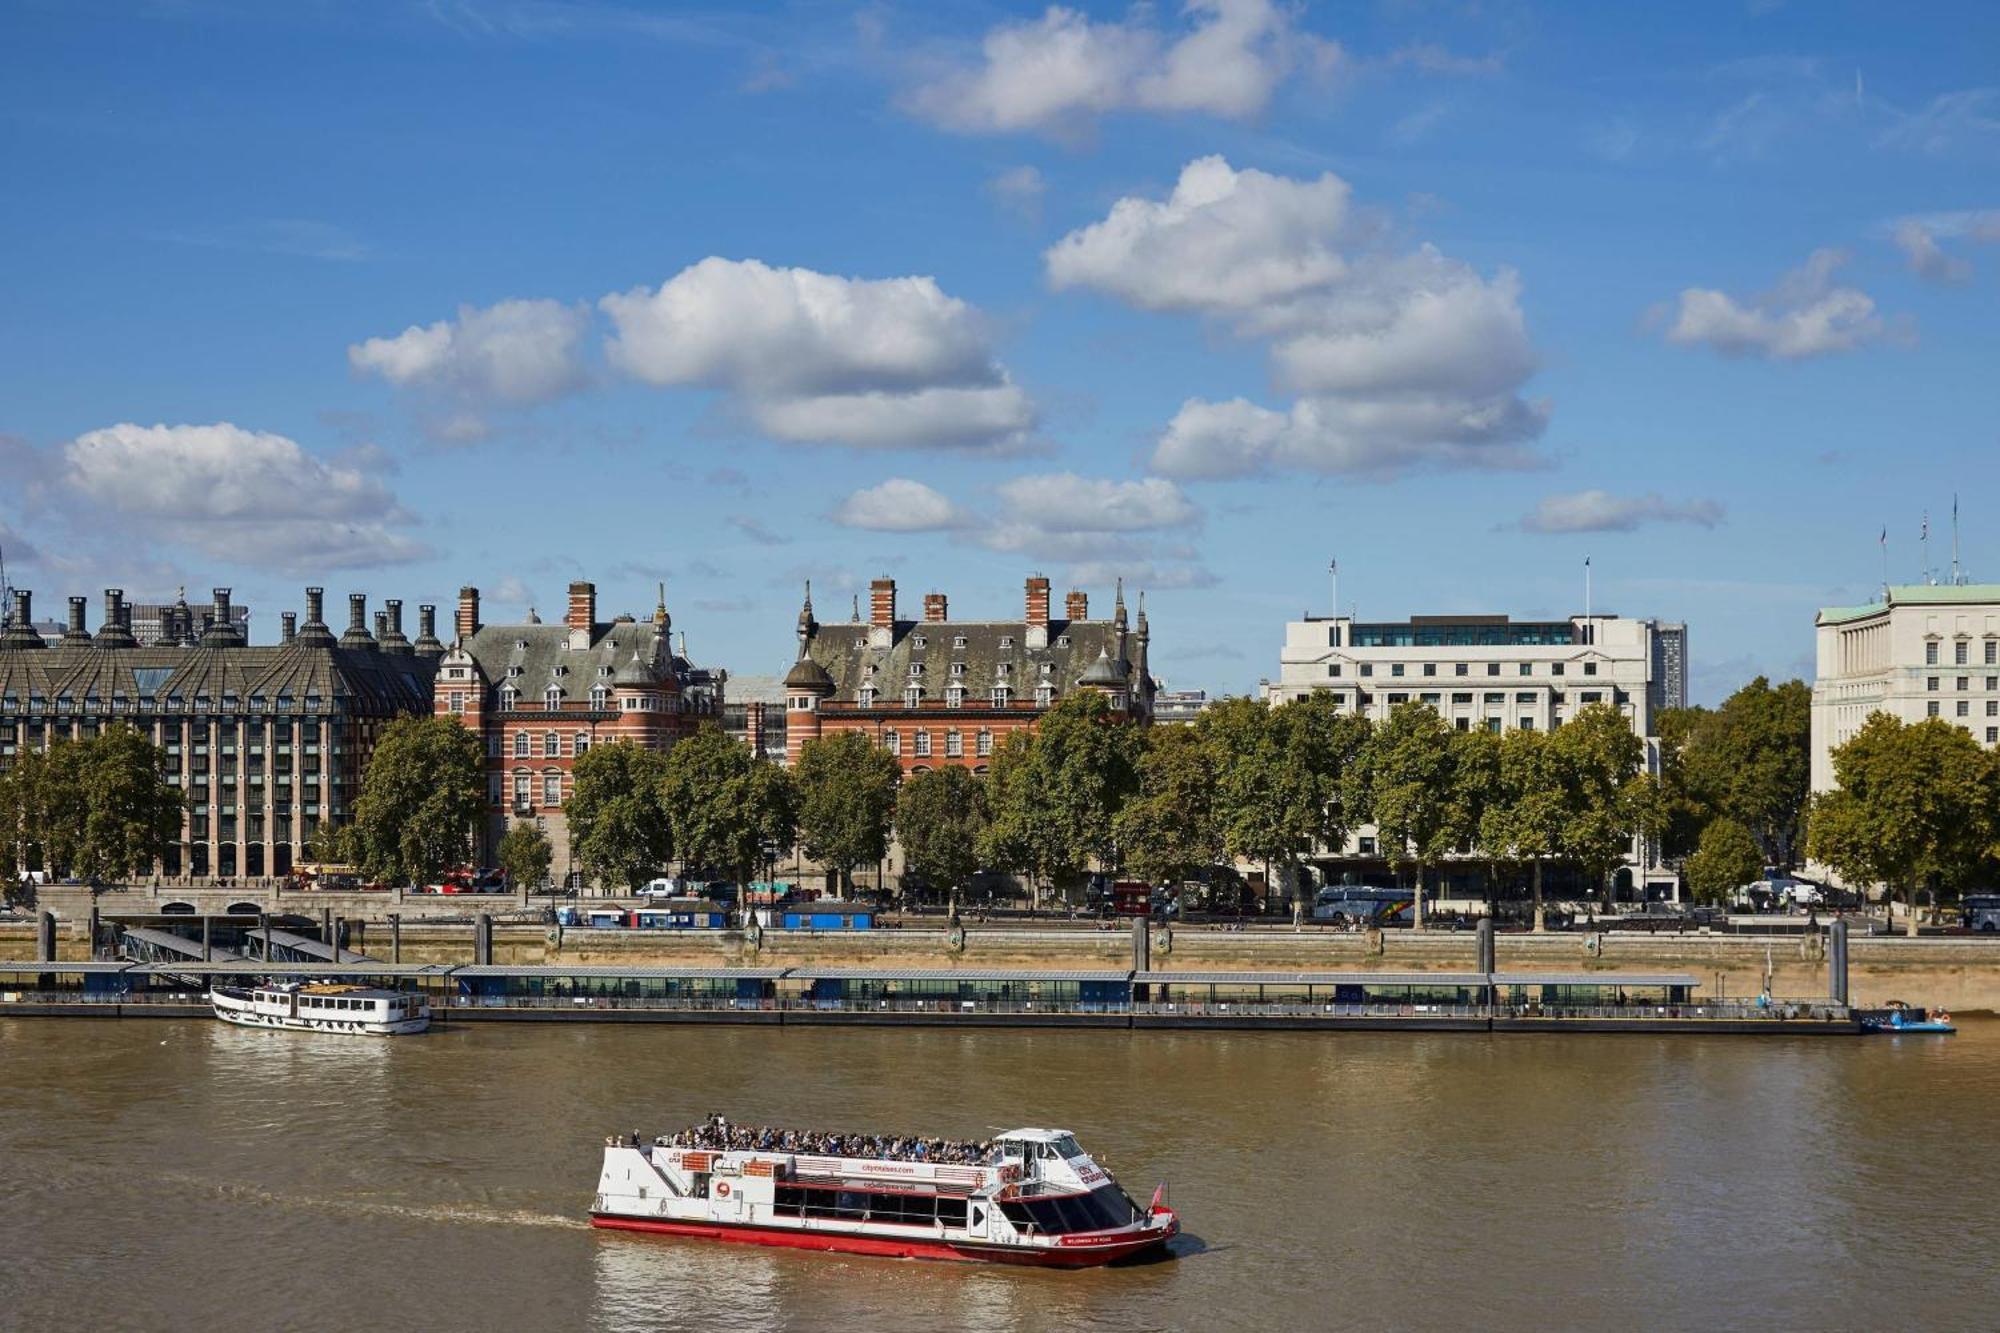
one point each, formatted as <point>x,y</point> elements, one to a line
<point>717,1135</point>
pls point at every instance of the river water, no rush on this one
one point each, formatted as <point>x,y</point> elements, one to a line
<point>179,1174</point>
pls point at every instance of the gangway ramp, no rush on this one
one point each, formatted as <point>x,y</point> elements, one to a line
<point>145,945</point>
<point>284,947</point>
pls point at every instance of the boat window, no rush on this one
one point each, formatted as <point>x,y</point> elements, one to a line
<point>1066,1146</point>
<point>1103,1208</point>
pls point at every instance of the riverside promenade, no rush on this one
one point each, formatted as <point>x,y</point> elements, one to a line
<point>1958,973</point>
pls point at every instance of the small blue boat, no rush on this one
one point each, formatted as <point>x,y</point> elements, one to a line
<point>1900,1017</point>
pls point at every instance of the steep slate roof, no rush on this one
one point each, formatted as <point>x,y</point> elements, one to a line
<point>842,651</point>
<point>547,659</point>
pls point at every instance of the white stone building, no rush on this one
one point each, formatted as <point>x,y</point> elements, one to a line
<point>1922,651</point>
<point>1495,673</point>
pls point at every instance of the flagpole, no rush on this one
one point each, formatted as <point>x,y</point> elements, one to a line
<point>1589,630</point>
<point>1333,572</point>
<point>1885,564</point>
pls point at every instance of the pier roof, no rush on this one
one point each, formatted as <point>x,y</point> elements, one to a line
<point>950,974</point>
<point>1312,978</point>
<point>636,973</point>
<point>1595,979</point>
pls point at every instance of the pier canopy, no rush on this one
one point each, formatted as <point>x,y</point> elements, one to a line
<point>1564,990</point>
<point>719,986</point>
<point>281,946</point>
<point>1312,988</point>
<point>145,945</point>
<point>196,977</point>
<point>1084,991</point>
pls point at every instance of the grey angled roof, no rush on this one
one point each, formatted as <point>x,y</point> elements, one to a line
<point>845,653</point>
<point>532,657</point>
<point>362,681</point>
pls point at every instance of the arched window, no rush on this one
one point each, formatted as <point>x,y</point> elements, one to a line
<point>551,745</point>
<point>520,745</point>
<point>923,749</point>
<point>582,745</point>
<point>522,788</point>
<point>551,789</point>
<point>983,745</point>
<point>954,744</point>
<point>892,742</point>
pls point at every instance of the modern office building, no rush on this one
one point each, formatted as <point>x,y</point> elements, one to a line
<point>1922,650</point>
<point>267,741</point>
<point>942,691</point>
<point>1493,673</point>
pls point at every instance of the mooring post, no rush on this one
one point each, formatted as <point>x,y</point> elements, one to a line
<point>1836,962</point>
<point>326,931</point>
<point>396,937</point>
<point>96,930</point>
<point>45,939</point>
<point>264,932</point>
<point>205,938</point>
<point>1483,936</point>
<point>482,940</point>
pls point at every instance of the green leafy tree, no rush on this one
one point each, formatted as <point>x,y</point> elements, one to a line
<point>1914,805</point>
<point>133,814</point>
<point>1169,830</point>
<point>420,801</point>
<point>1018,836</point>
<point>1726,859</point>
<point>939,818</point>
<point>1475,779</point>
<point>720,799</point>
<point>1405,781</point>
<point>331,844</point>
<point>98,808</point>
<point>1749,761</point>
<point>847,802</point>
<point>1528,808</point>
<point>1684,811</point>
<point>1610,801</point>
<point>620,830</point>
<point>525,854</point>
<point>1248,753</point>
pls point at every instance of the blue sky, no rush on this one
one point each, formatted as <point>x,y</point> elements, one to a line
<point>395,297</point>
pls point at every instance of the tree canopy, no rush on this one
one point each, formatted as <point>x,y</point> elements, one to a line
<point>100,808</point>
<point>1169,829</point>
<point>421,799</point>
<point>1406,782</point>
<point>1609,798</point>
<point>939,818</point>
<point>1748,761</point>
<point>620,831</point>
<point>847,801</point>
<point>1916,805</point>
<point>1054,794</point>
<point>725,803</point>
<point>1726,859</point>
<point>524,853</point>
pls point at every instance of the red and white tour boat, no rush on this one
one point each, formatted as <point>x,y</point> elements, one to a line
<point>1031,1197</point>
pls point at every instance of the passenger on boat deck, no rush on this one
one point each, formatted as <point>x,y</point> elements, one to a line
<point>716,1134</point>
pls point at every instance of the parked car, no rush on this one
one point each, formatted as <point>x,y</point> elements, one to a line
<point>664,887</point>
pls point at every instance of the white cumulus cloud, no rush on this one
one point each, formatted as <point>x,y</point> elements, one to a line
<point>1066,502</point>
<point>1399,359</point>
<point>1808,314</point>
<point>1601,511</point>
<point>514,353</point>
<point>250,497</point>
<point>899,505</point>
<point>1057,72</point>
<point>1918,238</point>
<point>816,358</point>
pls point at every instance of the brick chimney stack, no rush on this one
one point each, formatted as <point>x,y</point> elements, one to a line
<point>882,613</point>
<point>76,633</point>
<point>1076,606</point>
<point>116,631</point>
<point>288,626</point>
<point>468,612</point>
<point>582,618</point>
<point>935,608</point>
<point>1038,612</point>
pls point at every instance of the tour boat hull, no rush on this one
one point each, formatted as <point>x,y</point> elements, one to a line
<point>1072,1251</point>
<point>233,1007</point>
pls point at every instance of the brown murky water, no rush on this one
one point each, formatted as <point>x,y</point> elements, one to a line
<point>185,1175</point>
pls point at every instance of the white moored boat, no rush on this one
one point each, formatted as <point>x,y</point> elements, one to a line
<point>367,1011</point>
<point>1030,1196</point>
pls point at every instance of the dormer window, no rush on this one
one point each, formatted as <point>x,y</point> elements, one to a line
<point>508,694</point>
<point>1006,668</point>
<point>522,644</point>
<point>1045,695</point>
<point>860,642</point>
<point>917,641</point>
<point>958,641</point>
<point>600,698</point>
<point>514,670</point>
<point>958,668</point>
<point>867,696</point>
<point>552,698</point>
<point>913,696</point>
<point>604,670</point>
<point>955,697</point>
<point>1000,696</point>
<point>1006,641</point>
<point>916,669</point>
<point>1062,640</point>
<point>1047,667</point>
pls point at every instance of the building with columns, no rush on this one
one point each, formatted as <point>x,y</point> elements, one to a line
<point>268,741</point>
<point>1922,650</point>
<point>942,691</point>
<point>541,695</point>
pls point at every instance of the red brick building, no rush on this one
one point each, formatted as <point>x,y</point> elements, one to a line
<point>943,691</point>
<point>541,695</point>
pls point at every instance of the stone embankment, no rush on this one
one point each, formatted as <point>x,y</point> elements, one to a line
<point>1962,974</point>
